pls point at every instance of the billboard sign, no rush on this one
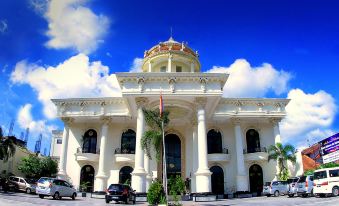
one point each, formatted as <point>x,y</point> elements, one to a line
<point>329,148</point>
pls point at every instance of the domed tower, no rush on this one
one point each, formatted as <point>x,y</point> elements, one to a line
<point>171,56</point>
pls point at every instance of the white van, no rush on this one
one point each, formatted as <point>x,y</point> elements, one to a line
<point>326,181</point>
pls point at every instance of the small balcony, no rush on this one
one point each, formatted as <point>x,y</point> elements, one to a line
<point>256,154</point>
<point>124,155</point>
<point>219,157</point>
<point>85,156</point>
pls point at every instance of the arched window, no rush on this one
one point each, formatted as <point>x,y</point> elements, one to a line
<point>125,175</point>
<point>128,142</point>
<point>90,142</point>
<point>214,143</point>
<point>87,178</point>
<point>252,140</point>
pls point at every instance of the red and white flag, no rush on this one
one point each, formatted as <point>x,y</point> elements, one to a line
<point>161,105</point>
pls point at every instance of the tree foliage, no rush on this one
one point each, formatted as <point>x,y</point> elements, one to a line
<point>282,154</point>
<point>36,167</point>
<point>327,165</point>
<point>7,147</point>
<point>153,136</point>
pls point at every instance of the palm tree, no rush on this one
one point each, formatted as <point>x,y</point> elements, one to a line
<point>153,137</point>
<point>282,154</point>
<point>7,147</point>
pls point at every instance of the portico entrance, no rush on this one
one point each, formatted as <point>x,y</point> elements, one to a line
<point>256,179</point>
<point>173,155</point>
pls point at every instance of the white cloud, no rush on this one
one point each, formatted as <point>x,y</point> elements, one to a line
<point>3,26</point>
<point>39,6</point>
<point>137,65</point>
<point>248,81</point>
<point>75,77</point>
<point>308,117</point>
<point>36,127</point>
<point>73,25</point>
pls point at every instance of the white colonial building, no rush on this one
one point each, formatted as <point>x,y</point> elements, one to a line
<point>218,143</point>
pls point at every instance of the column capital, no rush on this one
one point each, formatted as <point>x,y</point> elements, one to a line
<point>275,121</point>
<point>141,101</point>
<point>106,120</point>
<point>201,101</point>
<point>67,120</point>
<point>236,121</point>
<point>194,121</point>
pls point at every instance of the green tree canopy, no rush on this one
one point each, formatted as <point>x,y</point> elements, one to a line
<point>7,147</point>
<point>36,167</point>
<point>282,154</point>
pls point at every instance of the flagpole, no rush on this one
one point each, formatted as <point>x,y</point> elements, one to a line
<point>164,161</point>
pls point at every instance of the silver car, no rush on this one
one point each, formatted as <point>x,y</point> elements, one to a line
<point>305,186</point>
<point>275,188</point>
<point>292,186</point>
<point>55,187</point>
<point>23,184</point>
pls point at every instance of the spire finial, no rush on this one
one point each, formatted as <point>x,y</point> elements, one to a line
<point>171,33</point>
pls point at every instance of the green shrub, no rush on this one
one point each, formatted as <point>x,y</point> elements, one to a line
<point>156,193</point>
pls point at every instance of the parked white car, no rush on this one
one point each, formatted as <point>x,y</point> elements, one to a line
<point>326,181</point>
<point>275,188</point>
<point>305,186</point>
<point>55,187</point>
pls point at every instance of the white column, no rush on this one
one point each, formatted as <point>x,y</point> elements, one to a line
<point>242,180</point>
<point>169,69</point>
<point>277,139</point>
<point>62,174</point>
<point>194,157</point>
<point>276,131</point>
<point>203,174</point>
<point>192,67</point>
<point>149,66</point>
<point>148,172</point>
<point>101,177</point>
<point>139,173</point>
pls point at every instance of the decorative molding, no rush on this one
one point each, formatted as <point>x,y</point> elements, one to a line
<point>141,83</point>
<point>203,82</point>
<point>106,120</point>
<point>236,121</point>
<point>201,101</point>
<point>171,82</point>
<point>67,120</point>
<point>141,101</point>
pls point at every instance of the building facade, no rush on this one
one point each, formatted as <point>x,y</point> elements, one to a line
<point>217,142</point>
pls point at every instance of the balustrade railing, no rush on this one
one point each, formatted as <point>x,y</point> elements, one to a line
<point>81,150</point>
<point>124,151</point>
<point>254,150</point>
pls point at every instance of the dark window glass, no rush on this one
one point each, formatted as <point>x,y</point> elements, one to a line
<point>252,140</point>
<point>302,179</point>
<point>90,142</point>
<point>320,175</point>
<point>43,180</point>
<point>115,187</point>
<point>163,69</point>
<point>275,183</point>
<point>173,155</point>
<point>334,173</point>
<point>22,181</point>
<point>15,179</point>
<point>128,142</point>
<point>214,142</point>
<point>59,141</point>
<point>87,176</point>
<point>178,68</point>
<point>311,178</point>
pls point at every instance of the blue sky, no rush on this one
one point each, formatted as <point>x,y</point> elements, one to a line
<point>295,43</point>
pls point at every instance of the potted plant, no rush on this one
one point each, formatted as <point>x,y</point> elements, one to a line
<point>176,187</point>
<point>156,194</point>
<point>83,188</point>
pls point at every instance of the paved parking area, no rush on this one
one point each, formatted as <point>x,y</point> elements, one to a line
<point>21,199</point>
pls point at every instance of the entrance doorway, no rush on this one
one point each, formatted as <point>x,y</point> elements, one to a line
<point>173,155</point>
<point>256,179</point>
<point>125,175</point>
<point>87,178</point>
<point>217,179</point>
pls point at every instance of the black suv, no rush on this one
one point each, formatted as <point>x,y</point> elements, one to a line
<point>120,192</point>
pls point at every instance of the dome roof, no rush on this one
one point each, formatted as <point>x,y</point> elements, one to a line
<point>170,45</point>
